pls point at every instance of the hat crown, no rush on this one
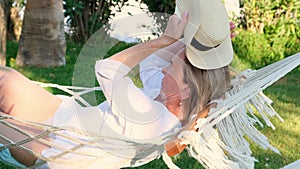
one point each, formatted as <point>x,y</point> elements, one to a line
<point>208,18</point>
<point>207,33</point>
<point>214,25</point>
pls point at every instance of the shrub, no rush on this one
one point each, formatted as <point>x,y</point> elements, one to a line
<point>270,31</point>
<point>252,48</point>
<point>262,49</point>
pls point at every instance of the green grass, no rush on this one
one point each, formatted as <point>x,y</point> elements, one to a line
<point>285,93</point>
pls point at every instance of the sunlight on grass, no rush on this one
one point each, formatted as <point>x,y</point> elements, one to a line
<point>285,95</point>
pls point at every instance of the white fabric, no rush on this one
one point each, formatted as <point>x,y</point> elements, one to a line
<point>107,121</point>
<point>140,104</point>
<point>151,75</point>
<point>228,118</point>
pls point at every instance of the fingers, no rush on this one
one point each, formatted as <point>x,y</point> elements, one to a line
<point>204,112</point>
<point>184,20</point>
<point>174,147</point>
<point>175,26</point>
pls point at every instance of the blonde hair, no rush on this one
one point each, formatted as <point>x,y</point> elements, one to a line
<point>205,85</point>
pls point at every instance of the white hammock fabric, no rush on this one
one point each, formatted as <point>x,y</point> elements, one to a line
<point>219,141</point>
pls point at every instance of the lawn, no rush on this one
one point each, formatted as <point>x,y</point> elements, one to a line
<point>285,93</point>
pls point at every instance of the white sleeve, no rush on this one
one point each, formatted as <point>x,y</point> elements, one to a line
<point>122,95</point>
<point>151,75</point>
<point>106,71</point>
<point>140,116</point>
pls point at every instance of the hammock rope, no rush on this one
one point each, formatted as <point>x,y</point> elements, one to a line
<point>214,145</point>
<point>232,122</point>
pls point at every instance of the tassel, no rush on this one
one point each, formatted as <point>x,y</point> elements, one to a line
<point>205,146</point>
<point>168,161</point>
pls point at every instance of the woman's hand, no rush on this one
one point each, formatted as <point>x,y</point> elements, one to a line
<point>175,26</point>
<point>135,54</point>
<point>174,147</point>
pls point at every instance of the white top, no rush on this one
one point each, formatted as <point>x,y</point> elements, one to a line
<point>128,113</point>
<point>134,109</point>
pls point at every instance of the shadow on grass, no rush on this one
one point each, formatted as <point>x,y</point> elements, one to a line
<point>285,94</point>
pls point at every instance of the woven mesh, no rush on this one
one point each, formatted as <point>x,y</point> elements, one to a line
<point>253,84</point>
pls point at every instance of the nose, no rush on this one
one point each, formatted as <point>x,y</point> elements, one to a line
<point>166,70</point>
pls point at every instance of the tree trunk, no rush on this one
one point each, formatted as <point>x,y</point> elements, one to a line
<point>42,41</point>
<point>14,22</point>
<point>3,32</point>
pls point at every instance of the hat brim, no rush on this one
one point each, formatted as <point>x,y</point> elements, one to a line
<point>192,25</point>
<point>214,58</point>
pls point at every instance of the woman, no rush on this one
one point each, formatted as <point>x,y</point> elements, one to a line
<point>174,91</point>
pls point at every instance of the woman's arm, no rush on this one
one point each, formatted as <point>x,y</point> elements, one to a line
<point>167,53</point>
<point>134,55</point>
<point>21,155</point>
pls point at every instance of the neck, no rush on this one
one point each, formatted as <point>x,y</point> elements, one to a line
<point>174,106</point>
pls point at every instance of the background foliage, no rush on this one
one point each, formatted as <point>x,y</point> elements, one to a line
<point>164,6</point>
<point>85,17</point>
<point>268,31</point>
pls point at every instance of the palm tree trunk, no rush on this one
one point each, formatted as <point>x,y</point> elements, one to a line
<point>42,41</point>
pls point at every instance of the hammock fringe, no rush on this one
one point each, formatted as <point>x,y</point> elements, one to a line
<point>226,144</point>
<point>221,140</point>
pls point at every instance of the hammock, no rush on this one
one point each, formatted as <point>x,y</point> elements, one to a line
<point>219,141</point>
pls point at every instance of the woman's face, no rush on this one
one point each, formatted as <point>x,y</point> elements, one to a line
<point>173,86</point>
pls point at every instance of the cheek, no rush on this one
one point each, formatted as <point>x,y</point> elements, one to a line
<point>169,85</point>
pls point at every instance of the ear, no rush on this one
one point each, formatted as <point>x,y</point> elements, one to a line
<point>185,93</point>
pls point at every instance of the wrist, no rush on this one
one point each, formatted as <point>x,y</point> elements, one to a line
<point>167,40</point>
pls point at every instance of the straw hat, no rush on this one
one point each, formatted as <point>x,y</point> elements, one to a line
<point>207,34</point>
